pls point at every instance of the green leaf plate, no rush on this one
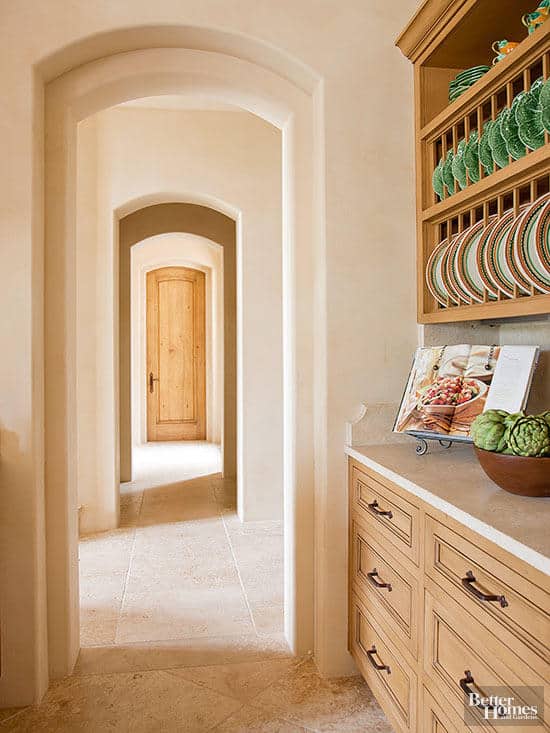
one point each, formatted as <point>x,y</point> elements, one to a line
<point>485,153</point>
<point>529,117</point>
<point>498,144</point>
<point>448,178</point>
<point>471,156</point>
<point>458,166</point>
<point>509,130</point>
<point>437,180</point>
<point>544,101</point>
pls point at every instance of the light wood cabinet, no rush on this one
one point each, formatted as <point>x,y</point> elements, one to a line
<point>436,610</point>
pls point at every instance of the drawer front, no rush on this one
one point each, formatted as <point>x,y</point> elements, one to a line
<point>385,586</point>
<point>512,607</point>
<point>459,662</point>
<point>434,720</point>
<point>395,518</point>
<point>387,674</point>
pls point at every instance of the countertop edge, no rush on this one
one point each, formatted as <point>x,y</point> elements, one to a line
<point>521,551</point>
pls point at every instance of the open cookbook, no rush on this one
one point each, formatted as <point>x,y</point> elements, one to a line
<point>449,386</point>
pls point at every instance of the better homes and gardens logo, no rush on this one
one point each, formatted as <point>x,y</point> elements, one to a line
<point>502,705</point>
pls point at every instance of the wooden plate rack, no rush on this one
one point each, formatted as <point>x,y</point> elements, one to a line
<point>443,39</point>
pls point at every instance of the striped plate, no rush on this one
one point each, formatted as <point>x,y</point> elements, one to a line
<point>493,255</point>
<point>524,285</point>
<point>466,263</point>
<point>434,278</point>
<point>531,248</point>
<point>450,270</point>
<point>488,283</point>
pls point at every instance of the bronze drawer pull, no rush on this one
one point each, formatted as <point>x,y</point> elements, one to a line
<point>469,680</point>
<point>370,654</point>
<point>374,508</point>
<point>372,577</point>
<point>467,583</point>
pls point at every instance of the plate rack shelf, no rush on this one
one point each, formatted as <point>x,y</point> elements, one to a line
<point>443,39</point>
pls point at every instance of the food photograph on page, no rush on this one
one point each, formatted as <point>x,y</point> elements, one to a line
<point>447,389</point>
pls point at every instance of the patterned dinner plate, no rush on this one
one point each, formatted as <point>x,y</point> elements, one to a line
<point>466,263</point>
<point>488,283</point>
<point>520,280</point>
<point>434,278</point>
<point>454,298</point>
<point>450,269</point>
<point>533,247</point>
<point>494,258</point>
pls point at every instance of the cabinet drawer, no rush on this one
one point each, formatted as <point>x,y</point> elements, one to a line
<point>460,658</point>
<point>395,518</point>
<point>519,615</point>
<point>385,586</point>
<point>435,720</point>
<point>387,674</point>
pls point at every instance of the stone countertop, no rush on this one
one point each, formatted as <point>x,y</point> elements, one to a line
<point>452,481</point>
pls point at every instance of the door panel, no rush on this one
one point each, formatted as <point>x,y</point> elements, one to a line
<point>176,393</point>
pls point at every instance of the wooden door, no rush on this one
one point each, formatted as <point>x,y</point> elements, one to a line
<point>176,368</point>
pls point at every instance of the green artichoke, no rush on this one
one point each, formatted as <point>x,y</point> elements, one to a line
<point>512,418</point>
<point>488,430</point>
<point>530,436</point>
<point>545,416</point>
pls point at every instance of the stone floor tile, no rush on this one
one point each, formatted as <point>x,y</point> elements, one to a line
<point>242,681</point>
<point>191,652</point>
<point>343,705</point>
<point>139,702</point>
<point>255,720</point>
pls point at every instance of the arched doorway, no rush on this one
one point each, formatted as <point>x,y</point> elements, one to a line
<point>74,96</point>
<point>206,222</point>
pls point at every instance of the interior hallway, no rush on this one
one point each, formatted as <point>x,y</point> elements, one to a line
<point>182,566</point>
<point>182,619</point>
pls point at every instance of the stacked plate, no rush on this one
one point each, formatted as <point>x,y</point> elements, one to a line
<point>516,130</point>
<point>464,81</point>
<point>506,256</point>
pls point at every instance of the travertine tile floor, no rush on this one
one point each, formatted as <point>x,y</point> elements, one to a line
<point>182,620</point>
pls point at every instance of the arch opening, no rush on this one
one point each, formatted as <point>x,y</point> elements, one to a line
<point>189,218</point>
<point>75,95</point>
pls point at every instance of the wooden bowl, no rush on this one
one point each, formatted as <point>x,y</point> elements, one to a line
<point>517,474</point>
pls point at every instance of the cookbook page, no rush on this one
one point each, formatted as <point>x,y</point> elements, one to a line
<point>474,389</point>
<point>512,378</point>
<point>432,390</point>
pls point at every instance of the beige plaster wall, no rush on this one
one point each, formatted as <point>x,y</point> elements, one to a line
<point>364,183</point>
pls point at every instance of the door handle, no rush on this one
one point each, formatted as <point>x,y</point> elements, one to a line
<point>152,381</point>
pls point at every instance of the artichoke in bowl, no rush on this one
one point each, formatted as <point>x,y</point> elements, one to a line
<point>488,430</point>
<point>530,436</point>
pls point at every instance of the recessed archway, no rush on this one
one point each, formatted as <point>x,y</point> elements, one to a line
<point>76,95</point>
<point>206,222</point>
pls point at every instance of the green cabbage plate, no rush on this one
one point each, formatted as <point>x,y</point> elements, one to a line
<point>498,144</point>
<point>448,178</point>
<point>458,166</point>
<point>437,180</point>
<point>529,118</point>
<point>471,156</point>
<point>485,153</point>
<point>544,101</point>
<point>509,130</point>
